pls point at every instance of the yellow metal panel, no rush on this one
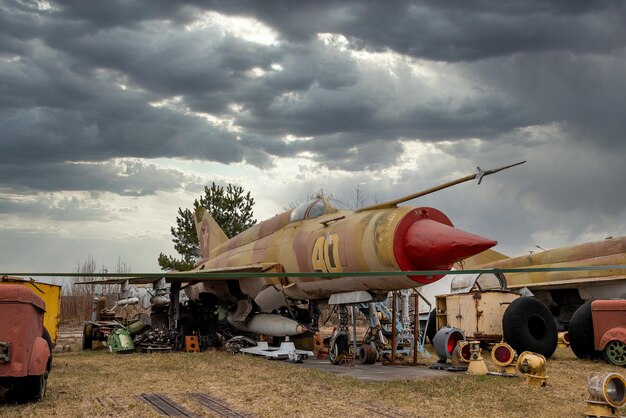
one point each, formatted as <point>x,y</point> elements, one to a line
<point>477,314</point>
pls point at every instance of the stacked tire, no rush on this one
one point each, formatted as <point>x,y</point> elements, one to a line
<point>581,332</point>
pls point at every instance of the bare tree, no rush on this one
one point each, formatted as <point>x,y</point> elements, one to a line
<point>320,193</point>
<point>357,202</point>
<point>77,300</point>
<point>359,197</point>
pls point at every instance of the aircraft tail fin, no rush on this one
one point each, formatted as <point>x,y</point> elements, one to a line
<point>210,235</point>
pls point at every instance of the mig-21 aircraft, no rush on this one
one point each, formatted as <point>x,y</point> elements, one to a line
<point>254,280</point>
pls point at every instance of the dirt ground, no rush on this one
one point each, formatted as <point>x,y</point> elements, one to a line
<point>100,383</point>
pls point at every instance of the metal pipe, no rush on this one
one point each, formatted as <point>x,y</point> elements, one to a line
<point>394,331</point>
<point>416,328</point>
<point>354,312</point>
<point>127,301</point>
<point>406,318</point>
<point>125,289</point>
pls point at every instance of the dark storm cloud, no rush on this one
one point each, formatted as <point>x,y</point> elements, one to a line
<point>62,98</point>
<point>65,209</point>
<point>587,92</point>
<point>449,30</point>
<point>129,178</point>
<point>529,63</point>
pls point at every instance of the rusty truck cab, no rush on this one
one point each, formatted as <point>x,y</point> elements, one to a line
<point>25,356</point>
<point>609,329</point>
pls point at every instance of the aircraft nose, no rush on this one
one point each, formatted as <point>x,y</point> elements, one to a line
<point>425,239</point>
<point>431,245</point>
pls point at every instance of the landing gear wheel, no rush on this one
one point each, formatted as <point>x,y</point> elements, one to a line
<point>581,332</point>
<point>615,353</point>
<point>528,325</point>
<point>338,349</point>
<point>368,354</point>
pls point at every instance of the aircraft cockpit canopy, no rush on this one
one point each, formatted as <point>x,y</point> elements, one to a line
<point>312,209</point>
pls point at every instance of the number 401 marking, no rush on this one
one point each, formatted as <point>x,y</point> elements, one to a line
<point>325,257</point>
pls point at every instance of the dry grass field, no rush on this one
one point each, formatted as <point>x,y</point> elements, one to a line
<point>98,383</point>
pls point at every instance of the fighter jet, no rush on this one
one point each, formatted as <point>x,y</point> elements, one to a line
<point>319,236</point>
<point>565,291</point>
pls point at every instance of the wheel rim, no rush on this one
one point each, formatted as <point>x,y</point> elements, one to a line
<point>338,349</point>
<point>335,352</point>
<point>616,352</point>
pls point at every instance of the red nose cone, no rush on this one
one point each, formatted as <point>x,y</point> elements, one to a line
<point>426,240</point>
<point>432,245</point>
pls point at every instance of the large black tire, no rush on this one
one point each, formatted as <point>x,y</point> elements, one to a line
<point>46,336</point>
<point>581,332</point>
<point>34,388</point>
<point>528,325</point>
<point>431,329</point>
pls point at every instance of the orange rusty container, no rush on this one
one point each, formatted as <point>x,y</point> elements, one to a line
<point>24,355</point>
<point>192,345</point>
<point>609,329</point>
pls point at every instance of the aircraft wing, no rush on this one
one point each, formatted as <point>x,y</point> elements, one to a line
<point>609,253</point>
<point>194,276</point>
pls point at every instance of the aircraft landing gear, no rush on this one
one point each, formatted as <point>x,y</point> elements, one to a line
<point>368,353</point>
<point>338,349</point>
<point>340,341</point>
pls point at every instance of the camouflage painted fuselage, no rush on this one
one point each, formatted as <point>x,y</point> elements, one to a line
<point>608,252</point>
<point>329,240</point>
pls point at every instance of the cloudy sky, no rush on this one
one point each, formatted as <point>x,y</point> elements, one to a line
<point>113,114</point>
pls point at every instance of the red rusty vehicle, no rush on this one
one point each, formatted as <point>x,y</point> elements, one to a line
<point>609,329</point>
<point>25,356</point>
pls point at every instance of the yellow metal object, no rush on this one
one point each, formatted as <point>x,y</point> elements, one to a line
<point>563,341</point>
<point>460,355</point>
<point>477,364</point>
<point>51,294</point>
<point>607,392</point>
<point>599,409</point>
<point>464,351</point>
<point>503,356</point>
<point>533,367</point>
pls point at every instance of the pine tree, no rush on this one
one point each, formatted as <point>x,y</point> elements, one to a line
<point>230,207</point>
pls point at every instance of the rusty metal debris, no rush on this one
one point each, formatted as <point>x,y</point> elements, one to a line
<point>216,405</point>
<point>155,339</point>
<point>235,344</point>
<point>165,406</point>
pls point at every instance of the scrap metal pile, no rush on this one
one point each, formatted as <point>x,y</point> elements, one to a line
<point>158,339</point>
